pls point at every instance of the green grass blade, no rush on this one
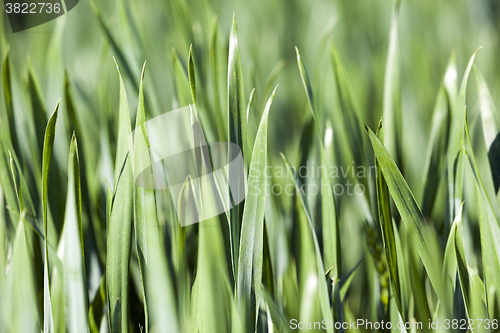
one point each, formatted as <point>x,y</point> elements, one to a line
<point>48,144</point>
<point>491,127</point>
<point>392,112</point>
<point>463,272</point>
<point>7,93</point>
<point>455,161</point>
<point>192,79</point>
<point>181,81</point>
<point>249,281</point>
<point>347,103</point>
<point>409,211</point>
<point>450,261</point>
<point>144,199</point>
<point>38,108</point>
<point>74,258</point>
<point>490,234</point>
<point>385,220</point>
<point>120,225</point>
<point>236,106</point>
<point>97,306</point>
<point>323,293</point>
<point>330,224</point>
<point>438,142</point>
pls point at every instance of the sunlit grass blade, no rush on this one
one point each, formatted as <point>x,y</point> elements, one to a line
<point>455,160</point>
<point>23,313</point>
<point>491,127</point>
<point>409,211</point>
<point>392,112</point>
<point>490,234</point>
<point>236,107</point>
<point>74,257</point>
<point>450,260</point>
<point>323,291</point>
<point>438,141</point>
<point>48,144</point>
<point>144,199</point>
<point>249,281</point>
<point>181,81</point>
<point>120,225</point>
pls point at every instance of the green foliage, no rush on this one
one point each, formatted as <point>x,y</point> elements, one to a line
<point>85,248</point>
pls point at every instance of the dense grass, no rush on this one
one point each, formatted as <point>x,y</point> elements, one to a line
<point>391,102</point>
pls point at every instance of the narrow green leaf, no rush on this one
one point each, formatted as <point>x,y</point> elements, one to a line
<point>75,284</point>
<point>144,199</point>
<point>120,225</point>
<point>323,291</point>
<point>48,144</point>
<point>409,211</point>
<point>348,107</point>
<point>330,224</point>
<point>237,128</point>
<point>38,109</point>
<point>490,234</point>
<point>181,81</point>
<point>491,127</point>
<point>438,142</point>
<point>392,112</point>
<point>463,272</point>
<point>249,281</point>
<point>455,161</point>
<point>97,306</point>
<point>192,80</point>
<point>385,220</point>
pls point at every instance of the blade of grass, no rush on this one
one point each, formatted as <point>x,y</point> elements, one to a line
<point>409,211</point>
<point>490,234</point>
<point>237,129</point>
<point>323,291</point>
<point>491,127</point>
<point>48,144</point>
<point>386,226</point>
<point>144,199</point>
<point>249,281</point>
<point>330,224</point>
<point>120,224</point>
<point>392,112</point>
<point>74,256</point>
<point>455,161</point>
<point>438,141</point>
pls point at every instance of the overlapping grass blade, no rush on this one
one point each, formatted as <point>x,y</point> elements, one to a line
<point>120,225</point>
<point>491,127</point>
<point>144,199</point>
<point>392,112</point>
<point>249,281</point>
<point>48,144</point>
<point>323,292</point>
<point>490,235</point>
<point>330,224</point>
<point>438,142</point>
<point>385,220</point>
<point>409,211</point>
<point>75,283</point>
<point>236,107</point>
<point>455,161</point>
